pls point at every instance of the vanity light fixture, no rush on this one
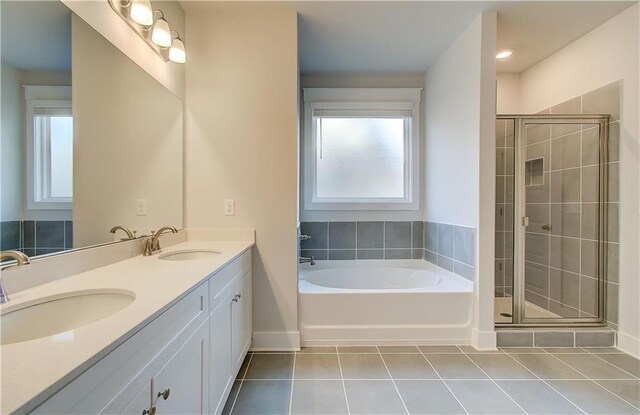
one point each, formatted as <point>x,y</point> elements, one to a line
<point>177,53</point>
<point>503,54</point>
<point>160,32</point>
<point>139,16</point>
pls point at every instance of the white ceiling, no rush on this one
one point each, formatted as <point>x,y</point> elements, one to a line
<point>399,36</point>
<point>36,35</point>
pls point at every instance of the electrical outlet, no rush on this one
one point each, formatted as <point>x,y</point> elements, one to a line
<point>141,207</point>
<point>229,207</point>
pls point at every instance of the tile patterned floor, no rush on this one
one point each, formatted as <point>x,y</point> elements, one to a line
<point>437,380</point>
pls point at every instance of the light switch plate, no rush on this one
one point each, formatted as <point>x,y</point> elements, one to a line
<point>141,207</point>
<point>229,207</point>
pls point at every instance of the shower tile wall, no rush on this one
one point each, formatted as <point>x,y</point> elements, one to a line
<point>448,246</point>
<point>561,264</point>
<point>505,167</point>
<point>36,237</point>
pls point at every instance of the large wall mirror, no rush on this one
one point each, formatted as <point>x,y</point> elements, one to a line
<point>89,140</point>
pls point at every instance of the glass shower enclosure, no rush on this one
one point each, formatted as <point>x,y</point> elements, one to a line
<point>551,219</point>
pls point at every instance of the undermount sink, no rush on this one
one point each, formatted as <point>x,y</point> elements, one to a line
<point>50,316</point>
<point>189,255</point>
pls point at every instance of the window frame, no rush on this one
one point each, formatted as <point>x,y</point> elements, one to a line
<point>383,99</point>
<point>56,100</point>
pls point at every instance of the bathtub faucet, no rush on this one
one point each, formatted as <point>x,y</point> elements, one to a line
<point>310,260</point>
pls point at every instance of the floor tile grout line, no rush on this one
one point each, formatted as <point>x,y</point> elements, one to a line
<point>616,366</point>
<point>293,377</point>
<point>594,382</point>
<point>392,380</point>
<point>443,381</point>
<point>546,383</point>
<point>494,382</point>
<point>344,388</point>
<point>244,375</point>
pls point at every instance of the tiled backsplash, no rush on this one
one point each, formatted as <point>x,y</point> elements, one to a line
<point>449,246</point>
<point>36,237</point>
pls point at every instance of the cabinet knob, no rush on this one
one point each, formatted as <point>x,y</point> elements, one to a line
<point>165,394</point>
<point>150,411</point>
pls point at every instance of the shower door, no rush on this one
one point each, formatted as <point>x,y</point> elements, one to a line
<point>559,210</point>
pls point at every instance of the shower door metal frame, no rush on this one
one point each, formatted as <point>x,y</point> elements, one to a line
<point>519,229</point>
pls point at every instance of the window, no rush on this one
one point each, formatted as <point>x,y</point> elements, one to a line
<point>49,147</point>
<point>361,149</point>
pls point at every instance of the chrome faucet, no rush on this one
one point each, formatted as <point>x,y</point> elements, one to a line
<point>130,235</point>
<point>311,260</point>
<point>21,259</point>
<point>152,244</point>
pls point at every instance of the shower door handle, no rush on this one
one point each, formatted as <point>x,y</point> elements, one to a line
<point>546,227</point>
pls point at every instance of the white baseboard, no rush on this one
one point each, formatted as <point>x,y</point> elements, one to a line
<point>629,344</point>
<point>275,341</point>
<point>484,340</point>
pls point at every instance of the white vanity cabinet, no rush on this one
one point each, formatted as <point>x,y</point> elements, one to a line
<point>191,352</point>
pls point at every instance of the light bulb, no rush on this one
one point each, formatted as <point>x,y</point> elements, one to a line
<point>504,54</point>
<point>141,12</point>
<point>177,53</point>
<point>161,34</point>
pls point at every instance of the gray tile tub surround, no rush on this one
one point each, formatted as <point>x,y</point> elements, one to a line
<point>36,237</point>
<point>451,247</point>
<point>363,240</point>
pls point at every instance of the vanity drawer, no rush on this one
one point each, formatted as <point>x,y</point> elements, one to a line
<point>123,371</point>
<point>222,280</point>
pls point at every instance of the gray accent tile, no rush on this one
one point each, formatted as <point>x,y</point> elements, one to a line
<point>612,303</point>
<point>537,248</point>
<point>428,397</point>
<point>317,366</point>
<point>565,253</point>
<point>589,258</point>
<point>417,254</point>
<point>562,350</point>
<point>613,222</point>
<point>370,254</point>
<point>455,366</point>
<point>592,398</point>
<point>602,350</point>
<point>431,257</point>
<point>501,366</point>
<point>397,254</point>
<point>318,397</point>
<point>536,397</point>
<point>342,235</point>
<point>623,361</point>
<point>595,338</point>
<point>523,350</point>
<point>514,338</point>
<point>445,263</point>
<point>50,234</point>
<point>542,151</point>
<point>613,183</point>
<point>436,349</point>
<point>342,254</point>
<point>500,133</point>
<point>29,234</point>
<point>270,366</point>
<point>68,235</point>
<point>589,295</point>
<point>10,235</point>
<point>463,242</point>
<point>536,133</point>
<point>539,194</point>
<point>370,235</point>
<point>590,147</point>
<point>590,220</point>
<point>500,161</point>
<point>547,366</point>
<point>445,240</point>
<point>319,254</point>
<point>319,349</point>
<point>563,310</point>
<point>483,397</point>
<point>553,339</point>
<point>565,151</point>
<point>590,184</point>
<point>604,100</point>
<point>363,366</point>
<point>538,214</point>
<point>571,106</point>
<point>357,349</point>
<point>613,258</point>
<point>536,278</point>
<point>263,397</point>
<point>564,287</point>
<point>565,219</point>
<point>409,366</point>
<point>47,251</point>
<point>614,141</point>
<point>373,397</point>
<point>417,235</point>
<point>500,189</point>
<point>565,185</point>
<point>398,349</point>
<point>431,236</point>
<point>629,390</point>
<point>318,231</point>
<point>397,234</point>
<point>465,271</point>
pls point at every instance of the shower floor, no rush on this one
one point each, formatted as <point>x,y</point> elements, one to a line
<point>503,305</point>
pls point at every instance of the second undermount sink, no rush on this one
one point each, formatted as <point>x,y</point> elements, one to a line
<point>50,316</point>
<point>189,255</point>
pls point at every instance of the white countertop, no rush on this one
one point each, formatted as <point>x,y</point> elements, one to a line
<point>34,370</point>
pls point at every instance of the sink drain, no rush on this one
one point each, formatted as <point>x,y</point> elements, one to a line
<point>506,315</point>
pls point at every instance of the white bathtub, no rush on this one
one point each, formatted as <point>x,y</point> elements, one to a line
<point>383,302</point>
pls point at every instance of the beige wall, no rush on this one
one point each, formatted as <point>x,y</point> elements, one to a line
<point>242,144</point>
<point>127,142</point>
<point>508,93</point>
<point>11,153</point>
<point>460,155</point>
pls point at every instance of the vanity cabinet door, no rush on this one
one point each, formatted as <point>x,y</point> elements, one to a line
<point>220,352</point>
<point>185,377</point>
<point>141,402</point>
<point>242,320</point>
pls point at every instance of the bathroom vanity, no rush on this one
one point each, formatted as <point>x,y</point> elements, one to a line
<point>176,348</point>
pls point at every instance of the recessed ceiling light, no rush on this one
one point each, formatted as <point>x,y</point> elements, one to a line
<point>504,54</point>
